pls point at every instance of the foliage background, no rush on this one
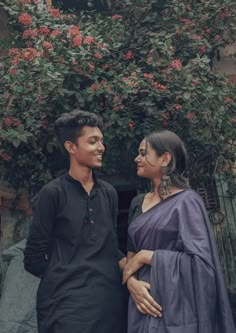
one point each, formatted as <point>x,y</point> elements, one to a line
<point>142,65</point>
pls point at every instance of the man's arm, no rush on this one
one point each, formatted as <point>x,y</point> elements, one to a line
<point>44,212</point>
<point>114,207</point>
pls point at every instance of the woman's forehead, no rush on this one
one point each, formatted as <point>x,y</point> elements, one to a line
<point>143,144</point>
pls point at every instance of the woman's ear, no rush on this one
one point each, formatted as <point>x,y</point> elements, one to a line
<point>69,146</point>
<point>166,158</point>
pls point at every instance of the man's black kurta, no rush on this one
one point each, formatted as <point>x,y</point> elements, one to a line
<point>72,246</point>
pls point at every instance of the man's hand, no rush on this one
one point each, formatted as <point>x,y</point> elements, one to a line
<point>139,291</point>
<point>122,263</point>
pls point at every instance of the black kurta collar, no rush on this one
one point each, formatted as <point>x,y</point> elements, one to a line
<point>80,186</point>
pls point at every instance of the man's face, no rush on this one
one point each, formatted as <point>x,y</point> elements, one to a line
<point>88,149</point>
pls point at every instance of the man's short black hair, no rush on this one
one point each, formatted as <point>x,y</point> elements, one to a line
<point>68,126</point>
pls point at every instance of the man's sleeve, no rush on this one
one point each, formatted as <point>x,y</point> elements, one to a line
<point>114,207</point>
<point>44,211</point>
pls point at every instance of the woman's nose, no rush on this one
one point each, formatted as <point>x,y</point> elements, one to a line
<point>137,158</point>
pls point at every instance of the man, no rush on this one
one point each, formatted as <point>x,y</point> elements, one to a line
<point>72,244</point>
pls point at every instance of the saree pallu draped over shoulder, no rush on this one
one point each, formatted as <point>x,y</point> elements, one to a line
<point>185,274</point>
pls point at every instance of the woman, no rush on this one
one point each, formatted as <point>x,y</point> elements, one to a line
<point>173,272</point>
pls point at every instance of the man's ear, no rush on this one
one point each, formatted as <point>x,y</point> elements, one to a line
<point>166,158</point>
<point>70,147</point>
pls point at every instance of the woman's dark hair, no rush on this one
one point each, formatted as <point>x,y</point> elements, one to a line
<point>68,127</point>
<point>166,141</point>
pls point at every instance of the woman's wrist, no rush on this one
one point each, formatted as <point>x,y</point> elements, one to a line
<point>146,257</point>
<point>131,280</point>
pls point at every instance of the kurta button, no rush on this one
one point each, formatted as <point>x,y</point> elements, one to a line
<point>92,222</point>
<point>90,209</point>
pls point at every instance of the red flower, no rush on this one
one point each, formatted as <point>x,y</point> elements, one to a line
<point>4,156</point>
<point>41,53</point>
<point>189,115</point>
<point>64,17</point>
<point>131,125</point>
<point>116,108</point>
<point>197,37</point>
<point>202,49</point>
<point>98,55</point>
<point>157,85</point>
<point>148,76</point>
<point>207,29</point>
<point>217,37</point>
<point>178,106</point>
<point>16,122</point>
<point>129,55</point>
<point>89,40</point>
<point>15,61</point>
<point>165,123</point>
<point>105,66</point>
<point>25,19</point>
<point>176,64</point>
<point>29,54</point>
<point>73,31</point>
<point>43,31</point>
<point>225,13</point>
<point>116,17</point>
<point>185,21</point>
<point>77,41</point>
<point>14,52</point>
<point>55,32</point>
<point>7,122</point>
<point>232,80</point>
<point>117,98</point>
<point>54,12</point>
<point>195,82</point>
<point>29,33</point>
<point>229,100</point>
<point>91,67</point>
<point>47,45</point>
<point>12,71</point>
<point>94,87</point>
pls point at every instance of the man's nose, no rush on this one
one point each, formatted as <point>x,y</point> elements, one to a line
<point>101,147</point>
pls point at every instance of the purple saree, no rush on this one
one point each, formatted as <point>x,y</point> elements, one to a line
<point>185,273</point>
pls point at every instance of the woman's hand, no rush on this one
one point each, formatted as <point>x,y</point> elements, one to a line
<point>139,291</point>
<point>141,258</point>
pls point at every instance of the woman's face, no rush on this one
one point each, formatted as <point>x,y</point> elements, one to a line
<point>149,164</point>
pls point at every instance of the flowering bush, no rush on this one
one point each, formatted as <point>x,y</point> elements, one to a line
<point>145,66</point>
